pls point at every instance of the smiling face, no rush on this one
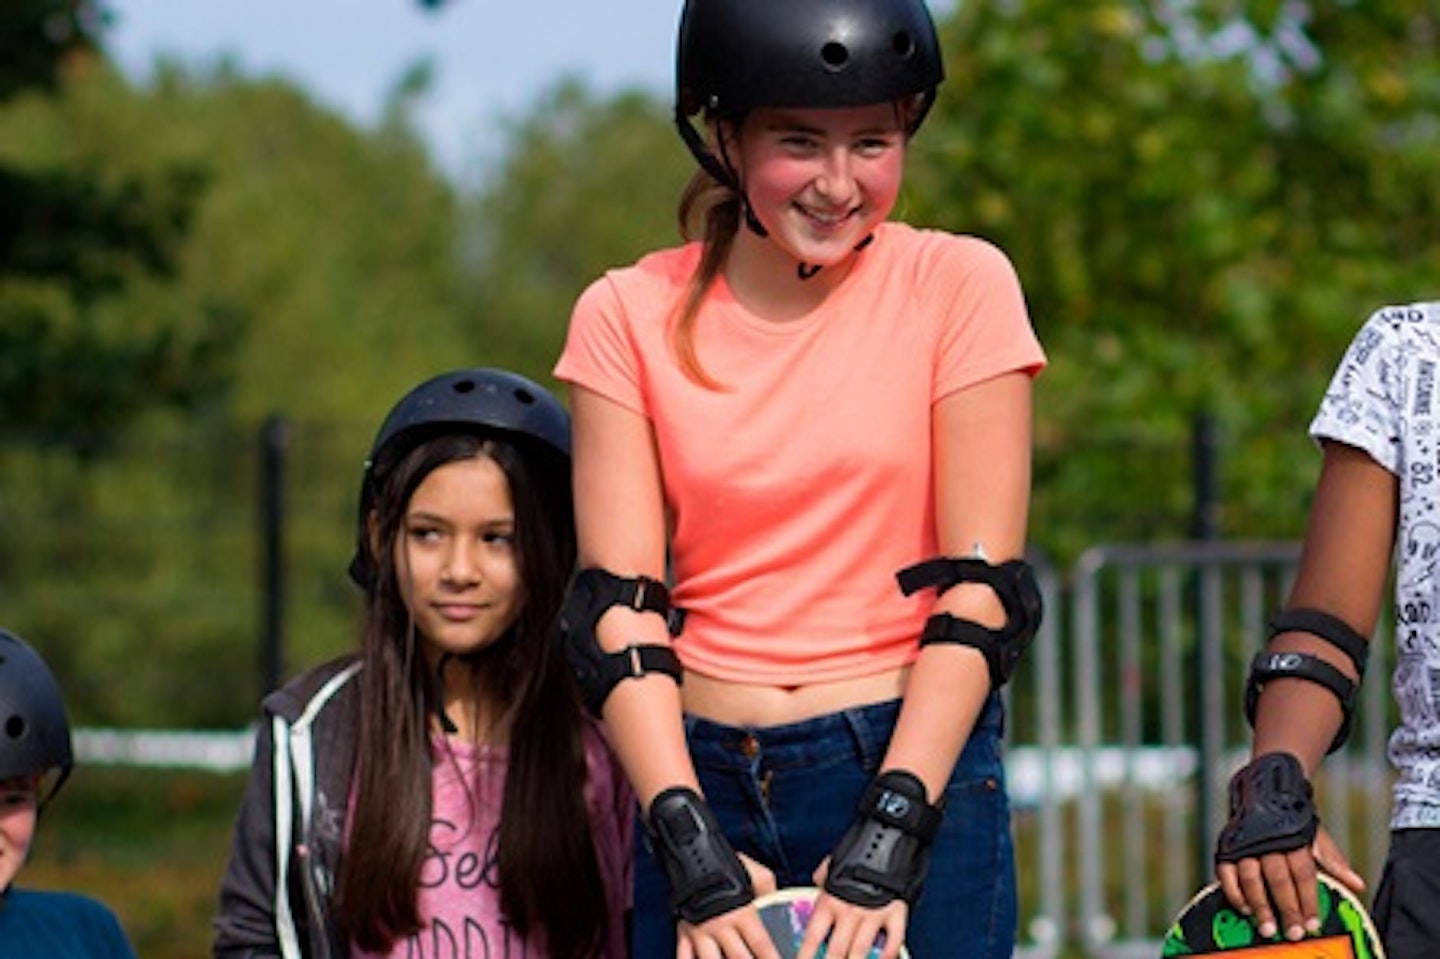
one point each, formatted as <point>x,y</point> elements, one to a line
<point>820,180</point>
<point>19,802</point>
<point>456,557</point>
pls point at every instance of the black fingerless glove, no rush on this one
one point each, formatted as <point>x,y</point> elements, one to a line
<point>885,853</point>
<point>1271,810</point>
<point>706,876</point>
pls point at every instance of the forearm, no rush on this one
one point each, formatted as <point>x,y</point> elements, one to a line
<point>947,689</point>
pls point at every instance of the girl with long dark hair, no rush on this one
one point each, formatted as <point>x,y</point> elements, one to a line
<point>441,792</point>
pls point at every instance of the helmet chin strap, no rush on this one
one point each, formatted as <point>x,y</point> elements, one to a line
<point>807,270</point>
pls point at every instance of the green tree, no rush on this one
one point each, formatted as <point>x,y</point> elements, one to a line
<point>1203,201</point>
<point>585,185</point>
<point>81,243</point>
<point>337,246</point>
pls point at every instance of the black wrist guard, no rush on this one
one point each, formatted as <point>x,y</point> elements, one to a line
<point>706,876</point>
<point>1271,810</point>
<point>886,851</point>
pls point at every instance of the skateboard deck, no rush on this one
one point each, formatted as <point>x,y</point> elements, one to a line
<point>1208,925</point>
<point>786,913</point>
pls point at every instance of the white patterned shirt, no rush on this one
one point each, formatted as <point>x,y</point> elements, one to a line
<point>1382,400</point>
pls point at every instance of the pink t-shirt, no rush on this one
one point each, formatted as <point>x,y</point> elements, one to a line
<point>798,491</point>
<point>459,899</point>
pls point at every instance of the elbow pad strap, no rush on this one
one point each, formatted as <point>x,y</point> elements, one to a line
<point>1268,666</point>
<point>598,672</point>
<point>1332,629</point>
<point>1014,584</point>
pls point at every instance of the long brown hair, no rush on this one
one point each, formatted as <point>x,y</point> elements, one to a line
<point>711,212</point>
<point>549,877</point>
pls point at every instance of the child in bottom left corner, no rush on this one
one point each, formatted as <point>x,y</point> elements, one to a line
<point>441,791</point>
<point>36,757</point>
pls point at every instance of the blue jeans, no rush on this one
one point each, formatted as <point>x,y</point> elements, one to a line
<point>784,795</point>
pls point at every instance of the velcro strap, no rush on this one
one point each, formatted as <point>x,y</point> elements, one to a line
<point>1000,657</point>
<point>1332,629</point>
<point>706,876</point>
<point>1013,582</point>
<point>1268,666</point>
<point>633,662</point>
<point>943,572</point>
<point>885,853</point>
<point>1271,810</point>
<point>640,593</point>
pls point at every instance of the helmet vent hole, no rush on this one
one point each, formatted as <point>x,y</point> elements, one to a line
<point>526,397</point>
<point>15,727</point>
<point>465,386</point>
<point>903,44</point>
<point>835,55</point>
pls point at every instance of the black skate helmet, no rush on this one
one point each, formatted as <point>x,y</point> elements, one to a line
<point>488,400</point>
<point>735,55</point>
<point>34,730</point>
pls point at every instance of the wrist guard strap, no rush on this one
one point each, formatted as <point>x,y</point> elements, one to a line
<point>1271,810</point>
<point>706,876</point>
<point>885,853</point>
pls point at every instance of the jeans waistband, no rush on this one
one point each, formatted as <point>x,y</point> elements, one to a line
<point>858,734</point>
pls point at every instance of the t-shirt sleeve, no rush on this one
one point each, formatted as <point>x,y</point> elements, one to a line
<point>986,329</point>
<point>1363,405</point>
<point>599,352</point>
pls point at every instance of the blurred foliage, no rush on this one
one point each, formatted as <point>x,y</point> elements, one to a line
<point>89,335</point>
<point>151,844</point>
<point>1203,201</point>
<point>586,185</point>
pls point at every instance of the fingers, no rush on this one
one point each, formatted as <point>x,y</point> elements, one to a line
<point>1333,862</point>
<point>1278,890</point>
<point>737,934</point>
<point>1306,919</point>
<point>847,931</point>
<point>1229,877</point>
<point>1255,896</point>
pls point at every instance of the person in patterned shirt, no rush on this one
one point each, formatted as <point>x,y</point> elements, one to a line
<point>1375,505</point>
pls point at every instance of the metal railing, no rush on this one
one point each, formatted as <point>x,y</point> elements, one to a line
<point>1148,647</point>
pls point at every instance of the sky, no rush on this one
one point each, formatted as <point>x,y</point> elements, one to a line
<point>491,57</point>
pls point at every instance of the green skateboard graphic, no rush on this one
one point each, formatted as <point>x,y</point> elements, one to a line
<point>1208,925</point>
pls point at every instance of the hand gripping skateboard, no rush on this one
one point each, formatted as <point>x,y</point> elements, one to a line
<point>786,913</point>
<point>1209,925</point>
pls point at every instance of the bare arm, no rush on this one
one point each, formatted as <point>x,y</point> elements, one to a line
<point>621,525</point>
<point>982,440</point>
<point>982,450</point>
<point>1343,570</point>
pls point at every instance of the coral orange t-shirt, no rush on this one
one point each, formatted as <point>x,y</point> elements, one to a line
<point>797,491</point>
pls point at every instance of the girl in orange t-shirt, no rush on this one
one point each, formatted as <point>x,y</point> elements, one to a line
<point>771,423</point>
